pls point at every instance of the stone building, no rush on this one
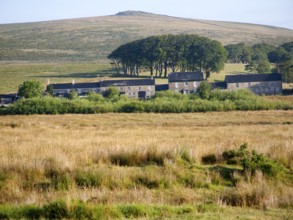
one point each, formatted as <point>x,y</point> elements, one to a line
<point>137,88</point>
<point>63,89</point>
<point>261,84</point>
<point>185,82</point>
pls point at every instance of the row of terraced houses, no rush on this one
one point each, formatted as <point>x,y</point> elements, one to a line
<point>183,82</point>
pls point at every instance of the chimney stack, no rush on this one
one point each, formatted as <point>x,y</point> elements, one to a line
<point>73,81</point>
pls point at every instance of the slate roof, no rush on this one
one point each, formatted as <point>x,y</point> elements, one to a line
<point>76,85</point>
<point>162,87</point>
<point>252,78</point>
<point>8,96</point>
<point>219,85</point>
<point>185,76</point>
<point>134,82</point>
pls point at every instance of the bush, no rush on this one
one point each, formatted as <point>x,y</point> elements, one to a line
<point>257,161</point>
<point>111,92</point>
<point>253,161</point>
<point>131,107</point>
<point>204,90</point>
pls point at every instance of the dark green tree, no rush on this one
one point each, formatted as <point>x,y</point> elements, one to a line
<point>30,89</point>
<point>158,54</point>
<point>73,94</point>
<point>259,63</point>
<point>286,69</point>
<point>204,90</point>
<point>111,92</point>
<point>50,90</point>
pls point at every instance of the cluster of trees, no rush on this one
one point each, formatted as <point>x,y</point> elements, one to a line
<point>259,57</point>
<point>159,54</point>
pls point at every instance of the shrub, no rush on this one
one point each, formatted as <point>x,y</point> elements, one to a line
<point>73,94</point>
<point>111,92</point>
<point>131,107</point>
<point>93,97</point>
<point>204,90</point>
<point>253,161</point>
<point>30,89</point>
<point>257,161</point>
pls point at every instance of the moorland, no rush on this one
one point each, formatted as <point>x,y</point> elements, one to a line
<point>145,165</point>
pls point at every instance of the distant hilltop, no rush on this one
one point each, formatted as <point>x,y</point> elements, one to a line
<point>133,13</point>
<point>94,38</point>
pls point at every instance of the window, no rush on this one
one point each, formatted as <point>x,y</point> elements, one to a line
<point>149,88</point>
<point>249,84</point>
<point>185,83</point>
<point>195,84</point>
<point>129,88</point>
<point>176,85</point>
<point>139,88</point>
<point>237,85</point>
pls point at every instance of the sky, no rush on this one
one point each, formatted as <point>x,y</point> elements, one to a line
<point>268,12</point>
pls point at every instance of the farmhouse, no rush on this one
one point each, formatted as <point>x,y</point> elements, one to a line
<point>266,84</point>
<point>63,89</point>
<point>185,82</point>
<point>139,88</point>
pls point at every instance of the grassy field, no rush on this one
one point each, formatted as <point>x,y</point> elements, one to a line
<point>149,159</point>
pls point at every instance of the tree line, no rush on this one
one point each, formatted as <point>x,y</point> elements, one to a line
<point>160,54</point>
<point>260,57</point>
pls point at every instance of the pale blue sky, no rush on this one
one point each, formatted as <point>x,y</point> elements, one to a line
<point>269,12</point>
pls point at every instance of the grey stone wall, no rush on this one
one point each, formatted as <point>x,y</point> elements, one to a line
<point>265,88</point>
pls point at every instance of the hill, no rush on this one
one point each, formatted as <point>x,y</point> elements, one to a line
<point>88,39</point>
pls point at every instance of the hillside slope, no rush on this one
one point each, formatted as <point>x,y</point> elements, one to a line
<point>94,38</point>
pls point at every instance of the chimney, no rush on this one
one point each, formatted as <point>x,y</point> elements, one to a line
<point>48,82</point>
<point>73,81</point>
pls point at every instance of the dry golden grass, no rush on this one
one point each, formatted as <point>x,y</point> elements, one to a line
<point>29,144</point>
